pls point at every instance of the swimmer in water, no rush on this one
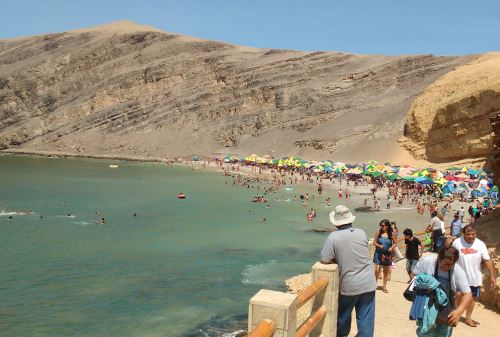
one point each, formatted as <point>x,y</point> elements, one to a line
<point>262,219</point>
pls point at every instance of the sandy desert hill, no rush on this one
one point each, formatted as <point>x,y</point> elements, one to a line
<point>126,90</point>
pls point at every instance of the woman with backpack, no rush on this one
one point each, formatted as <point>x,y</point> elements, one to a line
<point>384,243</point>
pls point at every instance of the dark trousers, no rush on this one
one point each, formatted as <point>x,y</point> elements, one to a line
<point>436,234</point>
<point>364,304</point>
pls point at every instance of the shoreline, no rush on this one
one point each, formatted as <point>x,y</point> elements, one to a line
<point>55,154</point>
<point>472,162</point>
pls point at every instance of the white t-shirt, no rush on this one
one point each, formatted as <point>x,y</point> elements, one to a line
<point>435,223</point>
<point>427,264</point>
<point>471,256</point>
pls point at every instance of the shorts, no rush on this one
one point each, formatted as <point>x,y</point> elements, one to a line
<point>475,291</point>
<point>410,264</point>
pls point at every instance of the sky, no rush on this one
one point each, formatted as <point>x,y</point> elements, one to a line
<point>440,27</point>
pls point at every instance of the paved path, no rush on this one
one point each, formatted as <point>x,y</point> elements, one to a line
<point>392,313</point>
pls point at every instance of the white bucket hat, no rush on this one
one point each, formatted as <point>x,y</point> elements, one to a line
<point>341,216</point>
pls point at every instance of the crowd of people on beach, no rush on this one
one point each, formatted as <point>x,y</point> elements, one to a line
<point>442,287</point>
<point>443,262</point>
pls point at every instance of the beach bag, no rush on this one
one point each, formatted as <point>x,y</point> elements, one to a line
<point>410,292</point>
<point>427,240</point>
<point>386,260</point>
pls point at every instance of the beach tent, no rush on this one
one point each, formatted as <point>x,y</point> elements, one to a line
<point>479,193</point>
<point>473,172</point>
<point>483,183</point>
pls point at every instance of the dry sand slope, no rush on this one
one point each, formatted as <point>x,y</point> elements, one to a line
<point>125,90</point>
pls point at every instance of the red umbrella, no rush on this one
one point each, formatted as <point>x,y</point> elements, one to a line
<point>449,177</point>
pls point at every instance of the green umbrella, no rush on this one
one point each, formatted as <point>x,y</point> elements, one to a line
<point>409,178</point>
<point>494,189</point>
<point>393,177</point>
<point>376,174</point>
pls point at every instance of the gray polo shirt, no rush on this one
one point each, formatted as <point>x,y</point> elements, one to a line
<point>349,248</point>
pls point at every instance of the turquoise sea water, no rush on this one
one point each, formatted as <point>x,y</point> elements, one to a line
<point>178,268</point>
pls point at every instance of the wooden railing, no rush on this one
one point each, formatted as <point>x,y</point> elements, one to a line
<point>310,323</point>
<point>312,290</point>
<point>281,308</point>
<point>419,235</point>
<point>265,328</point>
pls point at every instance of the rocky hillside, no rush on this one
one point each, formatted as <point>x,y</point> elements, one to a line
<point>128,90</point>
<point>450,119</point>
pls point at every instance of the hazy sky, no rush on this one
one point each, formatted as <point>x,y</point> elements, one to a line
<point>442,27</point>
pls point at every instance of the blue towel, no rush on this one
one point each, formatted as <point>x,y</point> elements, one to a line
<point>420,309</point>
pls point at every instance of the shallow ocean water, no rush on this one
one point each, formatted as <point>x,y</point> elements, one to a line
<point>178,268</point>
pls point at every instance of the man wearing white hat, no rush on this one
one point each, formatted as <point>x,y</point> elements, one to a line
<point>348,247</point>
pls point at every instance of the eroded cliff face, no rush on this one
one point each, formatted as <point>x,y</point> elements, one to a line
<point>131,90</point>
<point>489,231</point>
<point>450,119</point>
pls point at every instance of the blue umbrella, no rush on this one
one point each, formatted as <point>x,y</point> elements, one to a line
<point>426,182</point>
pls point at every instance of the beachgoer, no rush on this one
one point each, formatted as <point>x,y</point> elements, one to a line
<point>412,252</point>
<point>456,226</point>
<point>452,279</point>
<point>435,227</point>
<point>384,243</point>
<point>473,252</point>
<point>348,247</point>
